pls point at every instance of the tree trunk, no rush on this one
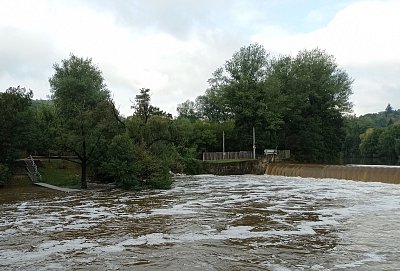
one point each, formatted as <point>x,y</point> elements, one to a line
<point>83,174</point>
<point>83,166</point>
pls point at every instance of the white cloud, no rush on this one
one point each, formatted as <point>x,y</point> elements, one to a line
<point>363,37</point>
<point>172,47</point>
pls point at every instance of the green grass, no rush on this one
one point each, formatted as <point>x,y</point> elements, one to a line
<point>60,173</point>
<point>227,161</point>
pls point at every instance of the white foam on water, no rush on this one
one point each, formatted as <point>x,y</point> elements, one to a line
<point>277,267</point>
<point>179,209</point>
<point>43,250</point>
<point>23,205</point>
<point>206,209</point>
<point>367,258</point>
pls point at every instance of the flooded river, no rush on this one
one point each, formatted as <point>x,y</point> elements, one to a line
<point>205,223</point>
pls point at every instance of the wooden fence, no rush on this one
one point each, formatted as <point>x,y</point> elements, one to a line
<point>227,155</point>
<point>277,155</point>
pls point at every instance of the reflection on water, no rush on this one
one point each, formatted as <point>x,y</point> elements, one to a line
<point>205,223</point>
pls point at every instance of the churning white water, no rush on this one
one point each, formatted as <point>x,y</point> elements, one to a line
<point>205,223</point>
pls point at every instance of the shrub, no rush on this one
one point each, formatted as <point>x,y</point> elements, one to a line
<point>132,166</point>
<point>117,164</point>
<point>5,174</point>
<point>193,166</point>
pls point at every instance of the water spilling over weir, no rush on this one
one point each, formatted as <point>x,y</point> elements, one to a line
<point>386,174</point>
<point>205,222</point>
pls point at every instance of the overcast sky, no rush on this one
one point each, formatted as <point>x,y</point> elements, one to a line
<point>173,46</point>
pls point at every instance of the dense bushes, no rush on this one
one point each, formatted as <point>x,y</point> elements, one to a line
<point>4,174</point>
<point>132,166</point>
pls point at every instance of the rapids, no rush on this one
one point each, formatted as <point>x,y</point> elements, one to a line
<point>205,222</point>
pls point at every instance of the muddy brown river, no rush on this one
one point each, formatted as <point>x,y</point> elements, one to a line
<point>205,223</point>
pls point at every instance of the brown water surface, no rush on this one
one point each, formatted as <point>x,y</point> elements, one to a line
<point>205,223</point>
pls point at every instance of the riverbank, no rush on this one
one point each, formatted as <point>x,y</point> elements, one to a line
<point>53,173</point>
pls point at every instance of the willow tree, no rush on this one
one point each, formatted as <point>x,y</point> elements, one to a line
<point>84,108</point>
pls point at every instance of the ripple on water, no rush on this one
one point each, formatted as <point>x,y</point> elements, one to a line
<point>207,223</point>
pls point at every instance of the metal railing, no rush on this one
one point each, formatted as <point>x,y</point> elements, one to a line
<point>32,170</point>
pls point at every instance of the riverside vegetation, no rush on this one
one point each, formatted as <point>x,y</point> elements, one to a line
<point>299,103</point>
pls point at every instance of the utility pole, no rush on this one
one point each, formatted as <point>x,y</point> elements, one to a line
<point>223,145</point>
<point>254,142</point>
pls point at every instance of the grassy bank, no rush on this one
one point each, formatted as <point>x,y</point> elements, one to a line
<point>60,173</point>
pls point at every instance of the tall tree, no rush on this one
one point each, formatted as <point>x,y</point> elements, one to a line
<point>83,105</point>
<point>317,97</point>
<point>388,110</point>
<point>188,109</point>
<point>15,122</point>
<point>244,90</point>
<point>143,109</point>
<point>251,94</point>
<point>46,126</point>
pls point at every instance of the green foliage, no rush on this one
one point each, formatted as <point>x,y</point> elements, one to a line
<point>381,143</point>
<point>4,174</point>
<point>212,106</point>
<point>84,108</point>
<point>248,90</point>
<point>142,157</point>
<point>118,163</point>
<point>46,125</point>
<point>296,103</point>
<point>389,143</point>
<point>373,138</point>
<point>243,91</point>
<point>132,166</point>
<point>151,171</point>
<point>193,166</point>
<point>317,95</point>
<point>369,142</point>
<point>188,109</point>
<point>389,109</point>
<point>15,123</point>
<point>143,109</point>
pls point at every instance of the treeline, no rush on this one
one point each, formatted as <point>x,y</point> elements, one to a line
<point>298,103</point>
<point>81,120</point>
<point>373,138</point>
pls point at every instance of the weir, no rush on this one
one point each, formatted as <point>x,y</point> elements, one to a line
<point>368,173</point>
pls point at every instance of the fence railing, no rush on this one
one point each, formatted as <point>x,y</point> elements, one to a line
<point>227,155</point>
<point>32,170</point>
<point>277,155</point>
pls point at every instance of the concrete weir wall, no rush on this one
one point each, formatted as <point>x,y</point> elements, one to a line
<point>386,174</point>
<point>235,168</point>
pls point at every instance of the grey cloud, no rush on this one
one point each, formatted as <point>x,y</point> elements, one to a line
<point>24,54</point>
<point>181,18</point>
<point>26,59</point>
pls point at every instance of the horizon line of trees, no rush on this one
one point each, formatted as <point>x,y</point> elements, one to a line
<point>299,103</point>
